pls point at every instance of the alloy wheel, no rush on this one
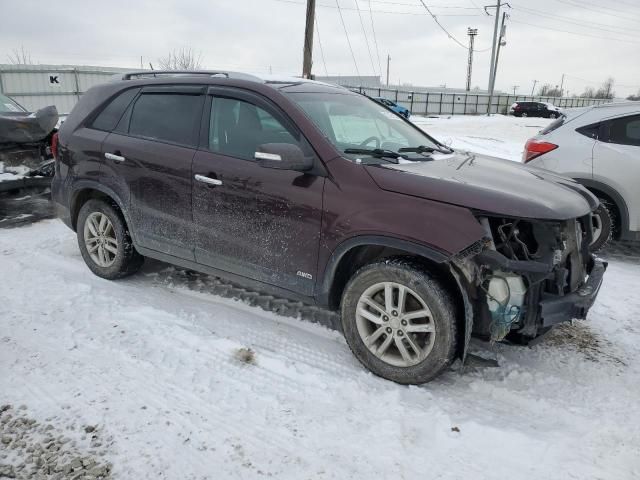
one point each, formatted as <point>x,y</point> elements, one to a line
<point>100,239</point>
<point>395,324</point>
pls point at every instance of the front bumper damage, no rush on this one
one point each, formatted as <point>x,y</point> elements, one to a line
<point>556,309</point>
<point>526,277</point>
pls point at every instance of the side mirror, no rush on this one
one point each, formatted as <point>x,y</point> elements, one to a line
<point>283,156</point>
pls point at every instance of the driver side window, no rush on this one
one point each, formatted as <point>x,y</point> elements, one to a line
<point>237,128</point>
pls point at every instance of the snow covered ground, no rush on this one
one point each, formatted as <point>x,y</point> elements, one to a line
<point>499,135</point>
<point>154,362</point>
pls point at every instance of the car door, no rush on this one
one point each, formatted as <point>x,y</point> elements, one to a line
<point>616,162</point>
<point>260,223</point>
<point>148,157</point>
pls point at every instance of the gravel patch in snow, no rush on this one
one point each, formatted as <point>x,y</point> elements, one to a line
<point>30,449</point>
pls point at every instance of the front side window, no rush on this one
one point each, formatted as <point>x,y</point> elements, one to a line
<point>237,128</point>
<point>168,117</point>
<point>625,131</point>
<point>356,122</point>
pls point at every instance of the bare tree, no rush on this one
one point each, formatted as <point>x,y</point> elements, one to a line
<point>589,92</point>
<point>606,90</point>
<point>548,91</point>
<point>182,59</point>
<point>20,56</point>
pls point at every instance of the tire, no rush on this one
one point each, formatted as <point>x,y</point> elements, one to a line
<point>524,114</point>
<point>553,115</point>
<point>603,221</point>
<point>436,341</point>
<point>114,255</point>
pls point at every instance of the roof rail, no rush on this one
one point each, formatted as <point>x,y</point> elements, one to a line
<point>185,73</point>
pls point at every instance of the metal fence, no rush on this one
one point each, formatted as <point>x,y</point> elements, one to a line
<point>37,86</point>
<point>452,103</point>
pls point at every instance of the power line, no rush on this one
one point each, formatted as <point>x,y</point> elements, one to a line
<point>348,41</point>
<point>601,12</point>
<point>388,2</point>
<point>587,24</point>
<point>324,63</point>
<point>435,19</point>
<point>375,40</point>
<point>296,2</point>
<point>576,33</point>
<point>366,38</point>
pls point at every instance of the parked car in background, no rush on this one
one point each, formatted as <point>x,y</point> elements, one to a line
<point>313,192</point>
<point>25,137</point>
<point>599,147</point>
<point>390,104</point>
<point>535,109</point>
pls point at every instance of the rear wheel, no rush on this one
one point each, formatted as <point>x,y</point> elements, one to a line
<point>105,242</point>
<point>399,322</point>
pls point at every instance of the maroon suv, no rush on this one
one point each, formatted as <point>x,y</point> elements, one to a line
<point>313,192</point>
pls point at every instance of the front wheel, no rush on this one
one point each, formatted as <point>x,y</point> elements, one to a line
<point>399,321</point>
<point>553,115</point>
<point>524,114</point>
<point>105,242</point>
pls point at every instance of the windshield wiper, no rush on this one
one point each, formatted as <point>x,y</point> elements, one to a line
<point>374,152</point>
<point>425,149</point>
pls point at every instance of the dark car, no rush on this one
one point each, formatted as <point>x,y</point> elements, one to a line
<point>310,191</point>
<point>391,105</point>
<point>535,109</point>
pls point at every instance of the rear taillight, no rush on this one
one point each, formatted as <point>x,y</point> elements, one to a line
<point>54,145</point>
<point>534,148</point>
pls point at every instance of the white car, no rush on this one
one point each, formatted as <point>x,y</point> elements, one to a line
<point>599,147</point>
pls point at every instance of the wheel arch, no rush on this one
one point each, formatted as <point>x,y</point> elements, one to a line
<point>356,252</point>
<point>84,191</point>
<point>600,189</point>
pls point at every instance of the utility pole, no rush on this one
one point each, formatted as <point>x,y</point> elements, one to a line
<point>472,32</point>
<point>307,61</point>
<point>561,86</point>
<point>534,87</point>
<point>388,62</point>
<point>515,87</point>
<point>501,42</point>
<point>493,54</point>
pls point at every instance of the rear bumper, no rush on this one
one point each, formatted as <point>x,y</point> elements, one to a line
<point>556,309</point>
<point>58,199</point>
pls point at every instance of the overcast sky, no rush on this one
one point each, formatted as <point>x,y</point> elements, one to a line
<point>267,35</point>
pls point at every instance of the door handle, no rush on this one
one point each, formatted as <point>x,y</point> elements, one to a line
<point>114,157</point>
<point>208,180</point>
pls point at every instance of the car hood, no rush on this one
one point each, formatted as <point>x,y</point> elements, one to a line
<point>487,184</point>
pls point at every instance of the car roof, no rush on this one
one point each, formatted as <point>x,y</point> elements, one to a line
<point>217,77</point>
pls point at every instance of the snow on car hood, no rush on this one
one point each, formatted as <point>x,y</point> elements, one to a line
<point>488,184</point>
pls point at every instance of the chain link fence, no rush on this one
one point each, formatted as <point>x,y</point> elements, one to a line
<point>452,103</point>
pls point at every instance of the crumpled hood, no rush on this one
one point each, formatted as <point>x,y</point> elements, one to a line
<point>488,184</point>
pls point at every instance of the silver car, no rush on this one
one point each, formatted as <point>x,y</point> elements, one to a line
<point>599,147</point>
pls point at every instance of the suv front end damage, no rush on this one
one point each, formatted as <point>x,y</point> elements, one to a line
<point>530,275</point>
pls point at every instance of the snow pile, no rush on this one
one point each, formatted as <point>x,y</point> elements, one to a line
<point>188,385</point>
<point>13,173</point>
<point>498,135</point>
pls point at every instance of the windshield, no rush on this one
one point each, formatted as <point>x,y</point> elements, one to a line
<point>353,122</point>
<point>8,105</point>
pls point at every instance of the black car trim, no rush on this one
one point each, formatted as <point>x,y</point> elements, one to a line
<point>615,196</point>
<point>323,287</point>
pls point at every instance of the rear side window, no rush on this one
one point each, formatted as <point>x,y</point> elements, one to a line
<point>591,131</point>
<point>168,117</point>
<point>625,131</point>
<point>110,115</point>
